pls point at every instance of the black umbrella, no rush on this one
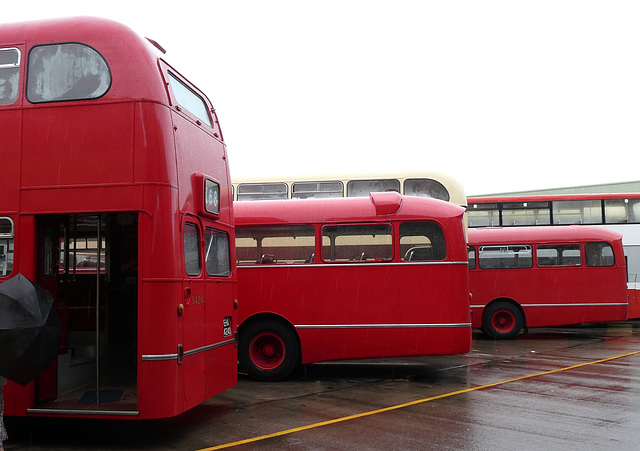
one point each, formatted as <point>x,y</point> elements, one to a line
<point>29,329</point>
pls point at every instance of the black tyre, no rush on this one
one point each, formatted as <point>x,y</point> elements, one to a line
<point>502,321</point>
<point>268,350</point>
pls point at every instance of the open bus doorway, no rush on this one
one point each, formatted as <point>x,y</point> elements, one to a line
<point>89,263</point>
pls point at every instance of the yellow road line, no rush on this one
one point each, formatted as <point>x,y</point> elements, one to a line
<point>408,404</point>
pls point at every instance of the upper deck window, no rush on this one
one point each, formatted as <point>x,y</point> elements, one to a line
<point>188,99</point>
<point>622,211</point>
<point>362,188</point>
<point>577,211</point>
<point>9,75</point>
<point>66,72</point>
<point>307,190</point>
<point>426,188</point>
<point>257,191</point>
<point>482,215</point>
<point>526,213</point>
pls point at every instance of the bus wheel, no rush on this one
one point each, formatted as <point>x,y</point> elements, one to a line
<point>502,320</point>
<point>268,350</point>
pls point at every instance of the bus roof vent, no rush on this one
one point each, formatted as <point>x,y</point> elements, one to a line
<point>386,203</point>
<point>156,45</point>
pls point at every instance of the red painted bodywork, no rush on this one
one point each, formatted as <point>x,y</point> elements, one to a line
<point>630,232</point>
<point>131,150</point>
<point>394,293</point>
<point>540,289</point>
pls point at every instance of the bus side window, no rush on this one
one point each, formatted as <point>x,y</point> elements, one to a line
<point>69,71</point>
<point>422,241</point>
<point>275,244</point>
<point>505,257</point>
<point>357,242</point>
<point>246,247</point>
<point>472,257</point>
<point>191,249</point>
<point>558,255</point>
<point>362,188</point>
<point>258,191</point>
<point>6,246</point>
<point>9,75</point>
<point>217,257</point>
<point>622,211</point>
<point>599,254</point>
<point>190,100</point>
<point>426,187</point>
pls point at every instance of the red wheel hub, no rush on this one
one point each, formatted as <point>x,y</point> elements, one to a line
<point>267,350</point>
<point>503,321</point>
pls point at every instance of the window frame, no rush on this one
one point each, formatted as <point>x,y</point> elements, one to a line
<point>359,256</point>
<point>9,251</point>
<point>505,248</point>
<point>187,249</point>
<point>217,232</point>
<point>181,99</point>
<point>17,65</point>
<point>30,70</point>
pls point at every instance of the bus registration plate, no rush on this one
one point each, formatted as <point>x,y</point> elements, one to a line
<point>226,326</point>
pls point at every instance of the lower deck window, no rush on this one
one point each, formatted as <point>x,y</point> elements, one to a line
<point>599,254</point>
<point>191,249</point>
<point>558,255</point>
<point>6,246</point>
<point>505,257</point>
<point>422,241</point>
<point>361,242</point>
<point>275,245</point>
<point>217,257</point>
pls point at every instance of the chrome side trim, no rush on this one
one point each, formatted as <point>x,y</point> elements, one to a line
<point>379,326</point>
<point>84,412</point>
<point>597,304</point>
<point>157,357</point>
<point>346,265</point>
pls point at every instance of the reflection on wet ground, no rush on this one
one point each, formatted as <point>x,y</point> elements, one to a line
<point>557,388</point>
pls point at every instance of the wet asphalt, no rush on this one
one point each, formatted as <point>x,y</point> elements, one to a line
<point>554,388</point>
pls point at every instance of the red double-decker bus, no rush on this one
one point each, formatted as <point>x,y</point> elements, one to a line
<point>116,198</point>
<point>524,277</point>
<point>349,278</point>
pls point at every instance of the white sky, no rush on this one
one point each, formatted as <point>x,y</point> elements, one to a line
<point>503,95</point>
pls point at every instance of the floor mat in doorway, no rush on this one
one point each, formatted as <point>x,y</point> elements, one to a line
<point>89,397</point>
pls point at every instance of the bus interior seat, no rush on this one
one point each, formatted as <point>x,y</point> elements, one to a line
<point>421,253</point>
<point>266,259</point>
<point>311,258</point>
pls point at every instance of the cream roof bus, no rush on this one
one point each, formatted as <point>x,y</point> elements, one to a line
<point>425,183</point>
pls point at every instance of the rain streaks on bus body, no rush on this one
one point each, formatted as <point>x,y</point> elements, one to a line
<point>523,277</point>
<point>617,212</point>
<point>349,278</point>
<point>117,200</point>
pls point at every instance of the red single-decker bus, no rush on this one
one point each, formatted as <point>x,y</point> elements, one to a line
<point>524,277</point>
<point>349,278</point>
